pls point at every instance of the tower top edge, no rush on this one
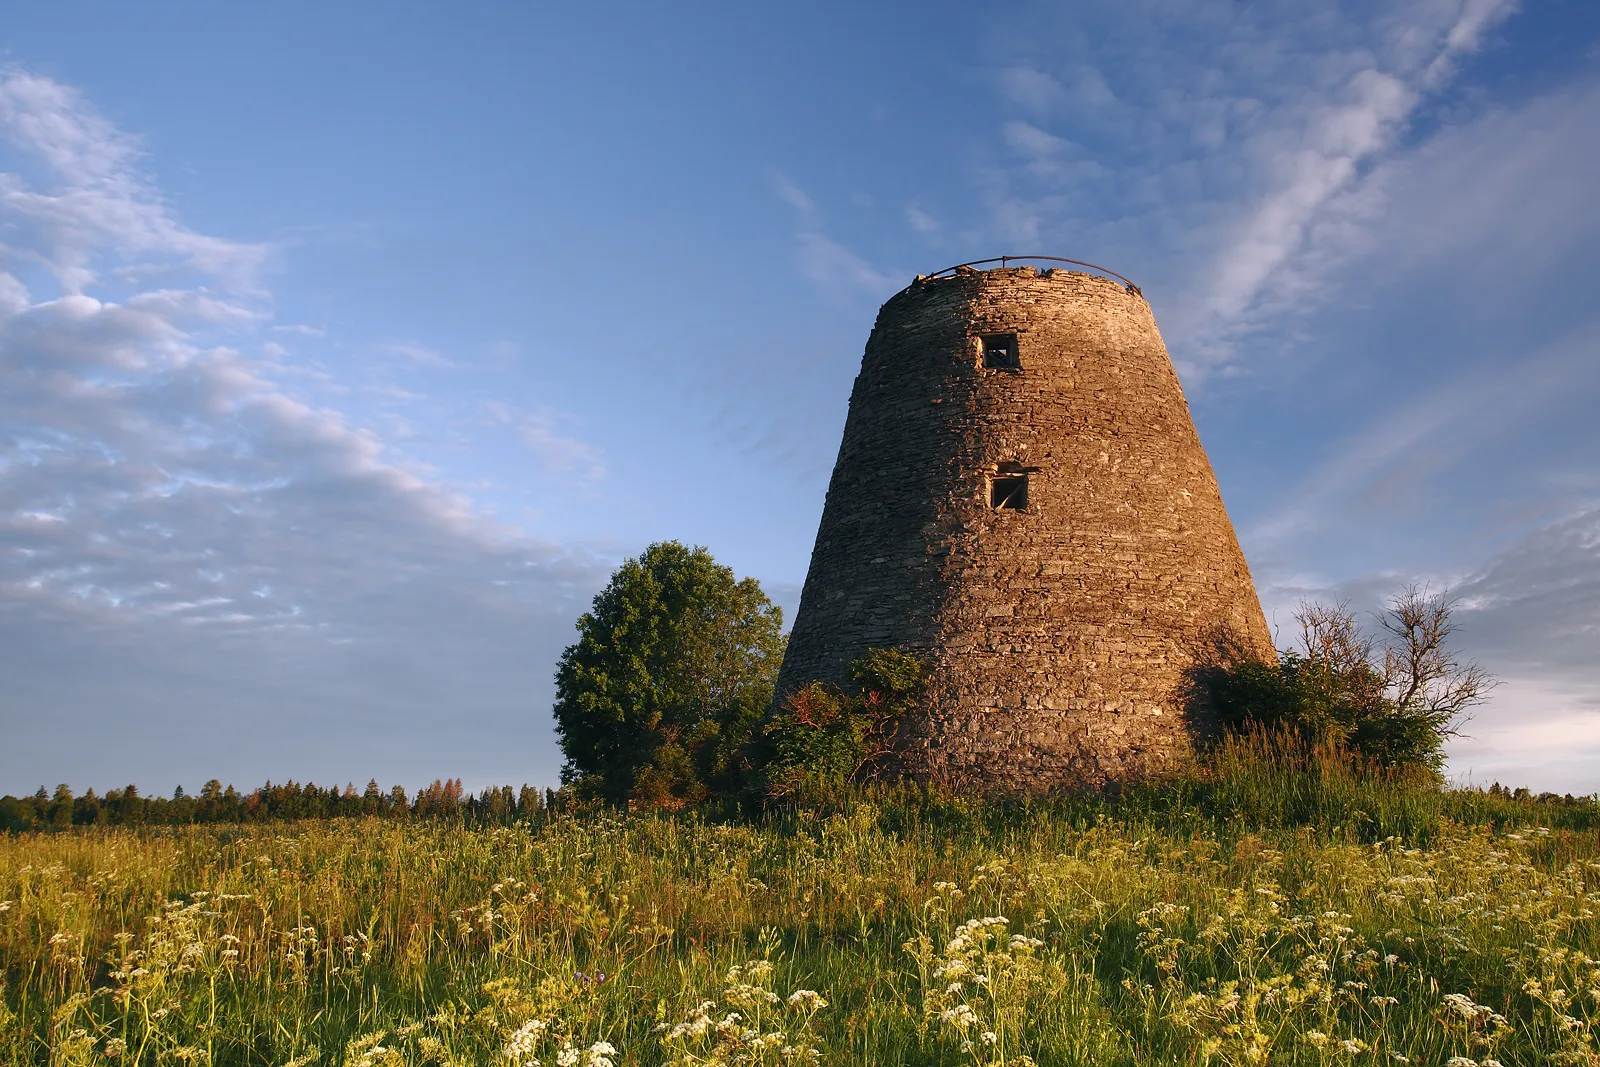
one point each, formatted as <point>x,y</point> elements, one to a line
<point>1026,270</point>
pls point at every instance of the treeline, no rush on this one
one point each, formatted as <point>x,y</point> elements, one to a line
<point>270,803</point>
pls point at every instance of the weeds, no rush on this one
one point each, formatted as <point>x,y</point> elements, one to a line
<point>1266,914</point>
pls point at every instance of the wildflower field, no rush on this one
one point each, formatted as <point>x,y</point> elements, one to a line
<point>1250,914</point>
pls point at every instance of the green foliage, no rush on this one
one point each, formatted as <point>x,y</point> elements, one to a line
<point>1394,705</point>
<point>1271,905</point>
<point>828,736</point>
<point>818,729</point>
<point>270,803</point>
<point>673,669</point>
<point>1339,706</point>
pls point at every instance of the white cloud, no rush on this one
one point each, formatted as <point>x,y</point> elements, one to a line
<point>1081,85</point>
<point>1515,180</point>
<point>1418,438</point>
<point>920,220</point>
<point>792,194</point>
<point>833,266</point>
<point>96,201</point>
<point>829,264</point>
<point>1533,733</point>
<point>1033,89</point>
<point>1033,142</point>
<point>556,451</point>
<point>1238,154</point>
<point>1316,157</point>
<point>1535,607</point>
<point>202,572</point>
<point>1477,426</point>
<point>421,355</point>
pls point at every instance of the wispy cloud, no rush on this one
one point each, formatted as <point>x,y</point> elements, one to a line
<point>920,221</point>
<point>792,194</point>
<point>1081,85</point>
<point>421,355</point>
<point>1255,146</point>
<point>96,198</point>
<point>186,543</point>
<point>1417,437</point>
<point>833,266</point>
<point>556,451</point>
<point>827,263</point>
<point>1032,142</point>
<point>1033,89</point>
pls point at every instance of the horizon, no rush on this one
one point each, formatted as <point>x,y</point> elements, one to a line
<point>330,401</point>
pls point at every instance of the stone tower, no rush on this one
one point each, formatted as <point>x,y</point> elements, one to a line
<point>1021,497</point>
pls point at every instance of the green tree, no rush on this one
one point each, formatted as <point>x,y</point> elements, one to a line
<point>61,806</point>
<point>673,669</point>
<point>529,800</point>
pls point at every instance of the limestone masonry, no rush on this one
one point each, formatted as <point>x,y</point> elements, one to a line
<point>1021,497</point>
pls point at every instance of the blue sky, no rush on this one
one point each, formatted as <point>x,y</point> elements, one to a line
<point>346,348</point>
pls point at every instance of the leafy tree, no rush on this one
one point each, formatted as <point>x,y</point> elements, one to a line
<point>529,800</point>
<point>1395,700</point>
<point>673,669</point>
<point>61,806</point>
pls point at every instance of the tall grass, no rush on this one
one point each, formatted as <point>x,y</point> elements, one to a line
<point>1286,910</point>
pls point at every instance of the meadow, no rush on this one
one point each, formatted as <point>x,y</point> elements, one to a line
<point>1251,911</point>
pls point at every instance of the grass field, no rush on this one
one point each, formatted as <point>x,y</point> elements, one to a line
<point>1250,913</point>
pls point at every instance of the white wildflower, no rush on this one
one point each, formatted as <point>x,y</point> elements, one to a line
<point>524,1041</point>
<point>807,999</point>
<point>961,1016</point>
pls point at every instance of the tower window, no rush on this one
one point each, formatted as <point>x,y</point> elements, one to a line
<point>1000,351</point>
<point>1008,489</point>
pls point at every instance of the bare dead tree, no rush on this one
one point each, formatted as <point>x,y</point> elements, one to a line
<point>1420,670</point>
<point>1330,635</point>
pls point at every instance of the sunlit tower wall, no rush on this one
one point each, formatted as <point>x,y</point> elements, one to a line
<point>1021,497</point>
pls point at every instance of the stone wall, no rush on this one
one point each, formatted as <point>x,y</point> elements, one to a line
<point>1058,634</point>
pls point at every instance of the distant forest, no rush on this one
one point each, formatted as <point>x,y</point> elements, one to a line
<point>270,803</point>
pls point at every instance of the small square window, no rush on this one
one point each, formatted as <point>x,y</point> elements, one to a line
<point>1008,491</point>
<point>1000,351</point>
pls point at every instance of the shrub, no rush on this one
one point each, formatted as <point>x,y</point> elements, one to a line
<point>1393,702</point>
<point>825,734</point>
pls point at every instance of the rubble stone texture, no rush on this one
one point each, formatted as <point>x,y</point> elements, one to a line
<point>1059,635</point>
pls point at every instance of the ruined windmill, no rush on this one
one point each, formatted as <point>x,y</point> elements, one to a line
<point>1021,498</point>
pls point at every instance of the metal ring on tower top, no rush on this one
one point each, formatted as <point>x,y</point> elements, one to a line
<point>1003,260</point>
